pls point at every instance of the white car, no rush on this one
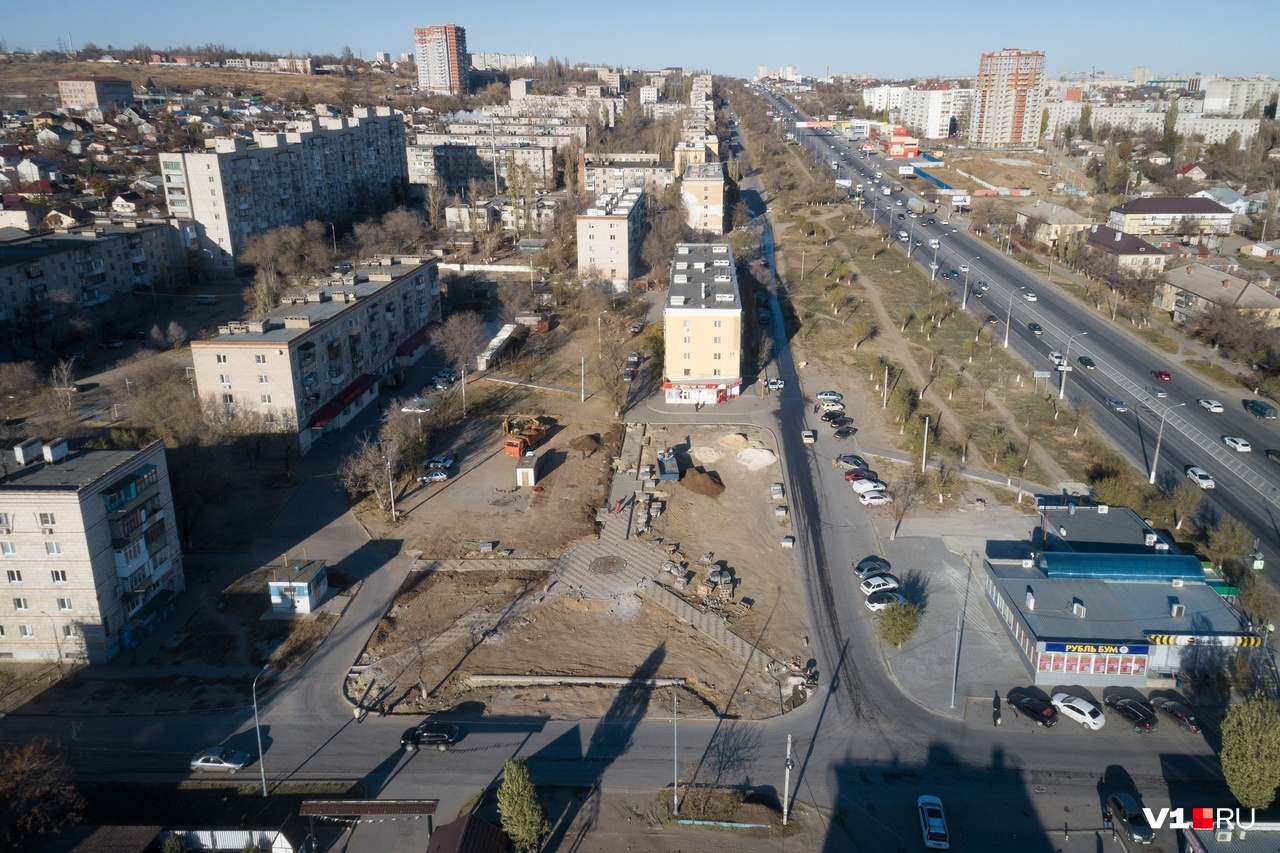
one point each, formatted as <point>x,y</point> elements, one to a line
<point>1029,296</point>
<point>1083,712</point>
<point>964,268</point>
<point>1057,358</point>
<point>943,222</point>
<point>879,583</point>
<point>220,758</point>
<point>828,396</point>
<point>933,823</point>
<point>1210,406</point>
<point>830,406</point>
<point>1200,477</point>
<point>1236,443</point>
<point>876,497</point>
<point>863,487</point>
<point>883,600</point>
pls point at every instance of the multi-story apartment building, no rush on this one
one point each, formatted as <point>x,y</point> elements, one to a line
<point>454,165</point>
<point>687,153</point>
<point>881,98</point>
<point>702,326</point>
<point>542,107</point>
<point>1170,215</point>
<point>930,111</point>
<point>87,267</point>
<point>649,94</point>
<point>502,61</point>
<point>82,93</point>
<point>331,169</point>
<point>1008,99</point>
<point>614,81</point>
<point>1145,118</point>
<point>1188,291</point>
<point>703,191</point>
<point>89,549</point>
<point>598,173</point>
<point>1234,96</point>
<point>519,129</point>
<point>700,89</point>
<point>443,64</point>
<point>609,236</point>
<point>314,363</point>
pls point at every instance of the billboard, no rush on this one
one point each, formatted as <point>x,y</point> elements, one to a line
<point>906,170</point>
<point>961,201</point>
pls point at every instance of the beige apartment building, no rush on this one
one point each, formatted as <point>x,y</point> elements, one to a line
<point>82,93</point>
<point>444,66</point>
<point>1008,98</point>
<point>703,191</point>
<point>333,169</point>
<point>609,236</point>
<point>598,173</point>
<point>1169,215</point>
<point>702,326</point>
<point>453,165</point>
<point>315,362</point>
<point>89,549</point>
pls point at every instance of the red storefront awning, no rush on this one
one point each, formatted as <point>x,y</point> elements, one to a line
<point>330,410</point>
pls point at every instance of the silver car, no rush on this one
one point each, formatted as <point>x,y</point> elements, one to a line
<point>222,758</point>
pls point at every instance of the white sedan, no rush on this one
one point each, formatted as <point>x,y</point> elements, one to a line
<point>1210,406</point>
<point>1200,477</point>
<point>1029,296</point>
<point>1236,443</point>
<point>1083,712</point>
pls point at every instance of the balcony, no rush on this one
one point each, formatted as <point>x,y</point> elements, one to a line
<point>336,375</point>
<point>138,256</point>
<point>142,281</point>
<point>309,379</point>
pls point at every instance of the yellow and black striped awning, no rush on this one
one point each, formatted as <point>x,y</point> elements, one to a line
<point>1191,640</point>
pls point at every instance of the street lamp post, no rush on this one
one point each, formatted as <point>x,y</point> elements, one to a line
<point>600,328</point>
<point>391,482</point>
<point>786,784</point>
<point>1008,321</point>
<point>262,767</point>
<point>964,302</point>
<point>333,233</point>
<point>1063,368</point>
<point>1155,460</point>
<point>583,379</point>
<point>675,743</point>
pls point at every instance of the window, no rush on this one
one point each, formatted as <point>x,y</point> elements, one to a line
<point>228,399</point>
<point>719,323</point>
<point>715,356</point>
<point>15,575</point>
<point>687,324</point>
<point>1,630</point>
<point>688,357</point>
<point>19,604</point>
<point>68,631</point>
<point>7,549</point>
<point>225,379</point>
<point>64,604</point>
<point>266,399</point>
<point>259,359</point>
<point>687,371</point>
<point>220,359</point>
<point>26,632</point>
<point>715,372</point>
<point>687,340</point>
<point>263,379</point>
<point>131,553</point>
<point>59,575</point>
<point>4,520</point>
<point>52,549</point>
<point>46,519</point>
<point>716,339</point>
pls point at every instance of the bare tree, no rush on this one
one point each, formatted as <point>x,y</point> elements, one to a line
<point>460,338</point>
<point>369,470</point>
<point>37,796</point>
<point>63,379</point>
<point>906,497</point>
<point>610,364</point>
<point>1186,498</point>
<point>19,382</point>
<point>516,298</point>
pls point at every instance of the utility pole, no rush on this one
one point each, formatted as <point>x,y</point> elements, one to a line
<point>583,379</point>
<point>786,784</point>
<point>1007,321</point>
<point>884,392</point>
<point>924,454</point>
<point>675,742</point>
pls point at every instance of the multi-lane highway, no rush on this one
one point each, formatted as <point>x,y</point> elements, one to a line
<point>1247,484</point>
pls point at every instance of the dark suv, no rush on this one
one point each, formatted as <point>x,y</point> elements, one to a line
<point>439,735</point>
<point>1129,820</point>
<point>1141,715</point>
<point>1043,713</point>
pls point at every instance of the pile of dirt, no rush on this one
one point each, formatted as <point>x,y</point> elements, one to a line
<point>755,458</point>
<point>737,441</point>
<point>702,483</point>
<point>586,443</point>
<point>705,455</point>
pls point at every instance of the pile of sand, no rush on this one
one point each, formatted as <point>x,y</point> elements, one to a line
<point>755,458</point>
<point>736,441</point>
<point>702,483</point>
<point>586,443</point>
<point>705,455</point>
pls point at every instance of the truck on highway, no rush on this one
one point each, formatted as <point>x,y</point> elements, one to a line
<point>886,190</point>
<point>918,206</point>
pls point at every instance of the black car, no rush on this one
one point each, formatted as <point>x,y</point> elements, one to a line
<point>1086,362</point>
<point>439,735</point>
<point>1274,456</point>
<point>831,415</point>
<point>629,374</point>
<point>1036,329</point>
<point>869,567</point>
<point>1039,710</point>
<point>902,216</point>
<point>842,421</point>
<point>1181,712</point>
<point>993,319</point>
<point>1142,716</point>
<point>845,433</point>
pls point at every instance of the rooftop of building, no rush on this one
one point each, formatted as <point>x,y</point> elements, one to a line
<point>296,572</point>
<point>703,276</point>
<point>713,171</point>
<point>319,304</point>
<point>36,246</point>
<point>76,470</point>
<point>93,78</point>
<point>1221,288</point>
<point>1171,204</point>
<point>1083,527</point>
<point>1053,214</point>
<point>1120,243</point>
<point>615,203</point>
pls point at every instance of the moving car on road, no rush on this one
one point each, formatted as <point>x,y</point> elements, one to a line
<point>1087,363</point>
<point>1129,819</point>
<point>1115,404</point>
<point>933,823</point>
<point>1210,406</point>
<point>1236,443</point>
<point>429,733</point>
<point>222,758</point>
<point>1200,477</point>
<point>1156,391</point>
<point>1029,296</point>
<point>1036,329</point>
<point>1162,375</point>
<point>1079,710</point>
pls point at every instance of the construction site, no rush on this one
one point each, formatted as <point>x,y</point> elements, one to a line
<point>677,563</point>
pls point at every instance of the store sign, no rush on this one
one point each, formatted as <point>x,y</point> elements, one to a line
<point>1095,649</point>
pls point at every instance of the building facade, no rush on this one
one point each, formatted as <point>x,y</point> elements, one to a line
<point>82,93</point>
<point>703,191</point>
<point>930,111</point>
<point>598,173</point>
<point>1191,290</point>
<point>1170,215</point>
<point>609,236</point>
<point>702,326</point>
<point>502,61</point>
<point>455,165</point>
<point>443,63</point>
<point>90,550</point>
<point>333,169</point>
<point>315,362</point>
<point>87,267</point>
<point>1234,96</point>
<point>1047,223</point>
<point>1130,252</point>
<point>1008,99</point>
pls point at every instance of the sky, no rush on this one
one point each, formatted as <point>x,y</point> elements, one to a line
<point>921,39</point>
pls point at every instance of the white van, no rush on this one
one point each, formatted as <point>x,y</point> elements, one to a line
<point>864,486</point>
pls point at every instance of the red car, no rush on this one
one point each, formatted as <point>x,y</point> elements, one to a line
<point>1162,375</point>
<point>860,474</point>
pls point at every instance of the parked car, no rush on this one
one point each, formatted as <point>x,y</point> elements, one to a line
<point>434,475</point>
<point>111,344</point>
<point>1129,820</point>
<point>442,460</point>
<point>628,374</point>
<point>831,406</point>
<point>417,405</point>
<point>882,600</point>
<point>809,436</point>
<point>1036,329</point>
<point>776,384</point>
<point>222,758</point>
<point>633,359</point>
<point>864,486</point>
<point>1081,711</point>
<point>1037,710</point>
<point>841,422</point>
<point>831,396</point>
<point>1179,711</point>
<point>1210,406</point>
<point>637,327</point>
<point>875,498</point>
<point>879,583</point>
<point>430,733</point>
<point>1141,715</point>
<point>830,415</point>
<point>1162,375</point>
<point>933,823</point>
<point>844,433</point>
<point>1236,443</point>
<point>849,461</point>
<point>1200,477</point>
<point>869,567</point>
<point>777,491</point>
<point>1115,404</point>
<point>447,373</point>
<point>1087,363</point>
